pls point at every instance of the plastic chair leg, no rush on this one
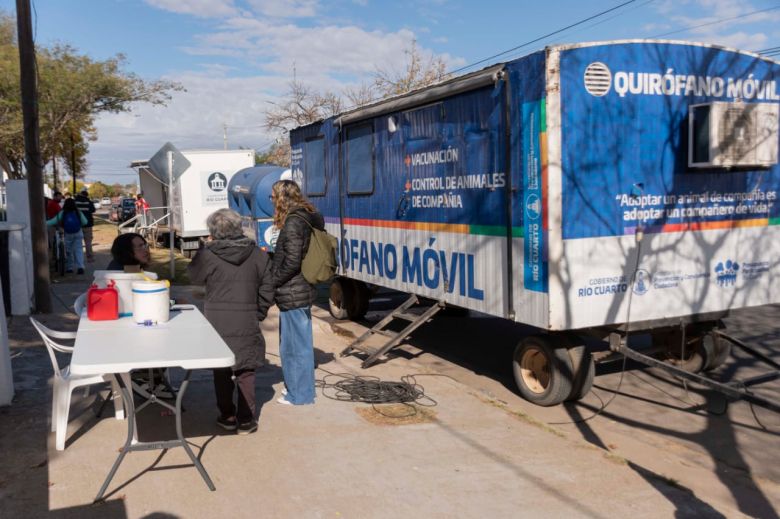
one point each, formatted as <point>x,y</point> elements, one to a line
<point>63,409</point>
<point>54,396</point>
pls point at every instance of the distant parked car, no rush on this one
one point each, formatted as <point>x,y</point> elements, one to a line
<point>128,209</point>
<point>96,202</point>
<point>105,201</point>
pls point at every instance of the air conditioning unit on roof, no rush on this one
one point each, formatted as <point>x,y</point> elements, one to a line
<point>733,135</point>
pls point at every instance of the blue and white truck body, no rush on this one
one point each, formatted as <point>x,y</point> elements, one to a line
<point>564,188</point>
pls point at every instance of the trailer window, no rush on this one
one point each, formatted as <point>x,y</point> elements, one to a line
<point>360,159</point>
<point>314,166</point>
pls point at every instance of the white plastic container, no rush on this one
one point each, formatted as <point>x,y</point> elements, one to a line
<point>124,284</point>
<point>151,301</point>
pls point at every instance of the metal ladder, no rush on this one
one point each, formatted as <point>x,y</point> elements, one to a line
<point>394,338</point>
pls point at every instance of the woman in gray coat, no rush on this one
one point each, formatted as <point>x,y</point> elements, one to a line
<point>239,291</point>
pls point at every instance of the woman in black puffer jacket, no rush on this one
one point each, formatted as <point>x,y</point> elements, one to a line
<point>239,291</point>
<point>296,217</point>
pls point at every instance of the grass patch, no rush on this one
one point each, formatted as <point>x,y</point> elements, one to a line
<point>105,232</point>
<point>521,415</point>
<point>161,266</point>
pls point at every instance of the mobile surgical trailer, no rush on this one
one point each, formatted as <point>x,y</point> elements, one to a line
<point>586,188</point>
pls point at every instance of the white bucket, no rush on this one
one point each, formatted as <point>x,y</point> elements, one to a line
<point>124,285</point>
<point>151,301</point>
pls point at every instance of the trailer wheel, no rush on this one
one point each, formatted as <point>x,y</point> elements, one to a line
<point>699,353</point>
<point>583,369</point>
<point>718,350</point>
<point>342,292</point>
<point>359,306</point>
<point>543,372</point>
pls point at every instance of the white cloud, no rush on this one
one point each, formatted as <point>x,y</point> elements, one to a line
<point>285,8</point>
<point>200,8</point>
<point>346,53</point>
<point>328,57</point>
<point>192,120</point>
<point>723,22</point>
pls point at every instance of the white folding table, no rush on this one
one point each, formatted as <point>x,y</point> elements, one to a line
<point>186,341</point>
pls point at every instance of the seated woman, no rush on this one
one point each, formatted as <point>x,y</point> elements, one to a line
<point>130,253</point>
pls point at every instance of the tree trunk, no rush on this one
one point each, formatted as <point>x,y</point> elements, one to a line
<point>55,178</point>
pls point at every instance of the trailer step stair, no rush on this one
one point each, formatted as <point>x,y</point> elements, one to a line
<point>394,338</point>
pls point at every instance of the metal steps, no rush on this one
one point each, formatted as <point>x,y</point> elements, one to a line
<point>394,338</point>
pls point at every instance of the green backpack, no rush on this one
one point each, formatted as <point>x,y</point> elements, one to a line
<point>319,263</point>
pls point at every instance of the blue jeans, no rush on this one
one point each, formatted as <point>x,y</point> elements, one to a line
<point>74,254</point>
<point>296,348</point>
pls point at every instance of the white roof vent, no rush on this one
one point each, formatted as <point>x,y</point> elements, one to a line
<point>598,79</point>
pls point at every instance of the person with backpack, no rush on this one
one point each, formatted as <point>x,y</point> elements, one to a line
<point>86,206</point>
<point>71,220</point>
<point>296,218</point>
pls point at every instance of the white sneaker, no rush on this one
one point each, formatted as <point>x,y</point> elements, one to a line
<point>284,391</point>
<point>282,400</point>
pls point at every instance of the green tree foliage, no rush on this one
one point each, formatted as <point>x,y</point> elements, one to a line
<point>99,190</point>
<point>73,89</point>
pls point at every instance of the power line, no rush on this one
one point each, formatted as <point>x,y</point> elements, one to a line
<point>513,49</point>
<point>722,20</point>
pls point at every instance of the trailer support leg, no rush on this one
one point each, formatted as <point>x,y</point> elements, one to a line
<point>732,390</point>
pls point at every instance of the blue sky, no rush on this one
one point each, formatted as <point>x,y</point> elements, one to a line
<point>236,56</point>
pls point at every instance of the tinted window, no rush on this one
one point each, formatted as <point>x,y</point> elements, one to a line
<point>701,134</point>
<point>314,166</point>
<point>360,159</point>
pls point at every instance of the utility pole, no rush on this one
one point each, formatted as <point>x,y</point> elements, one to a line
<point>224,134</point>
<point>29,88</point>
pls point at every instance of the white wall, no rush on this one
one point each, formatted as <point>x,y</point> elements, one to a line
<point>20,258</point>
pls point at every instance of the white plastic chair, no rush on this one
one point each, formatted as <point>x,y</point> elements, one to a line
<point>79,305</point>
<point>65,383</point>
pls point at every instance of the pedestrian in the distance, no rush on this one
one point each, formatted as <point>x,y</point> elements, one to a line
<point>295,216</point>
<point>141,207</point>
<point>239,291</point>
<point>53,207</point>
<point>71,220</point>
<point>86,206</point>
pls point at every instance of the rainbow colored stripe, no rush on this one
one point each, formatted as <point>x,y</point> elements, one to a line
<point>704,226</point>
<point>453,228</point>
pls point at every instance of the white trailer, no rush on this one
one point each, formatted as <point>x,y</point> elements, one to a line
<point>197,192</point>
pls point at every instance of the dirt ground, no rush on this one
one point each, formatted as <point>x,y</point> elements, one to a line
<point>471,448</point>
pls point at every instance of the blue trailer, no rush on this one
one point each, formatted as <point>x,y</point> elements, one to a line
<point>590,187</point>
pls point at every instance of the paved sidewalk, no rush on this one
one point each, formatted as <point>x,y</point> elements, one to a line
<point>467,456</point>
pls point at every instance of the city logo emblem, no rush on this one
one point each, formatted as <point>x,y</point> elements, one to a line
<point>642,282</point>
<point>533,206</point>
<point>217,181</point>
<point>598,79</point>
<point>726,273</point>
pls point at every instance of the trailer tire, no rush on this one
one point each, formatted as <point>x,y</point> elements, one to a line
<point>696,355</point>
<point>718,350</point>
<point>341,293</point>
<point>583,370</point>
<point>359,306</point>
<point>543,372</point>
